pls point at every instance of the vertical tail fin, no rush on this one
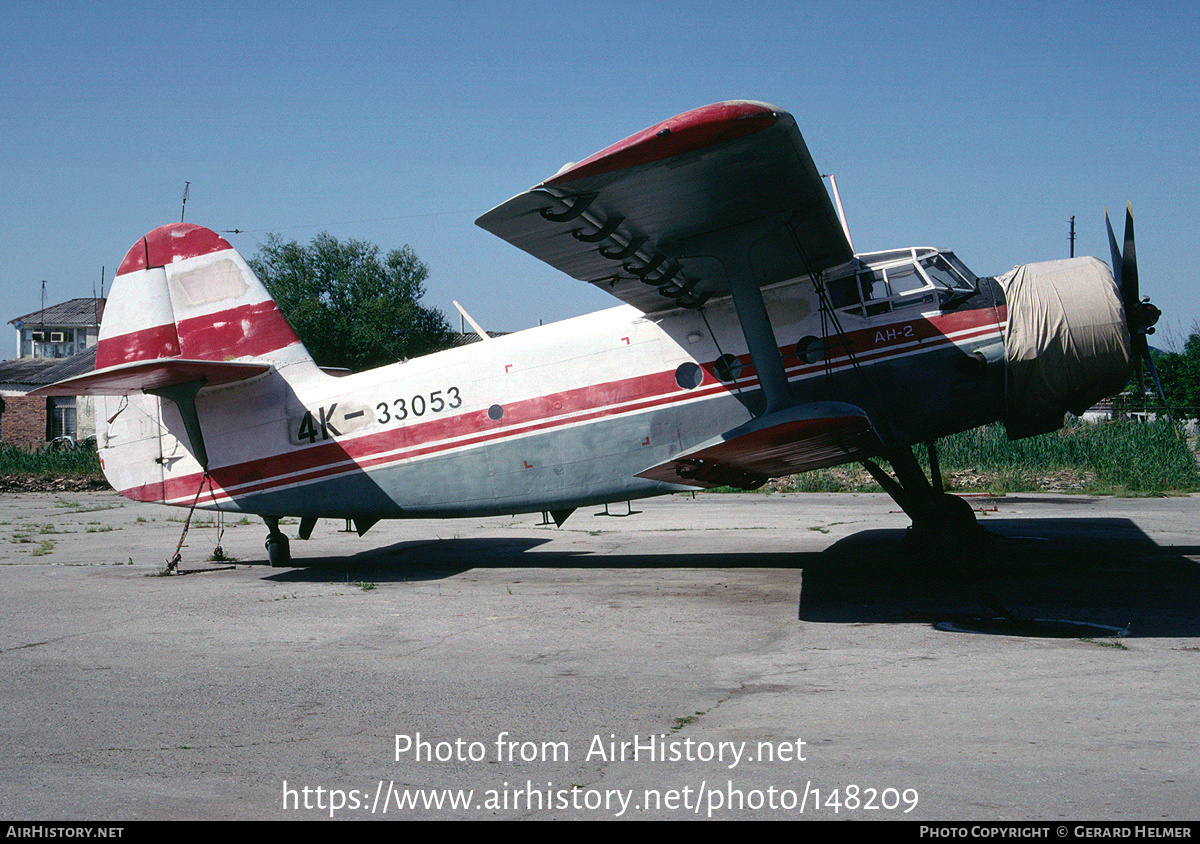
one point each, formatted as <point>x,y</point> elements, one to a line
<point>184,292</point>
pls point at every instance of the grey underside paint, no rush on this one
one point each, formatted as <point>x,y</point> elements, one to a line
<point>589,463</point>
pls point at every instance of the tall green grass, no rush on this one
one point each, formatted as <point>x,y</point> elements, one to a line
<point>1120,458</point>
<point>80,463</point>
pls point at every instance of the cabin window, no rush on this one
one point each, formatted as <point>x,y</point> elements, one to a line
<point>688,375</point>
<point>727,367</point>
<point>811,349</point>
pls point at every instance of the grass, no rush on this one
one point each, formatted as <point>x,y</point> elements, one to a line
<point>683,721</point>
<point>1113,458</point>
<point>80,463</point>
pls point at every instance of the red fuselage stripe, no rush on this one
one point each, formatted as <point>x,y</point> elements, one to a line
<point>555,410</point>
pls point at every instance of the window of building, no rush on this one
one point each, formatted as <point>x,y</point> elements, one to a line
<point>60,417</point>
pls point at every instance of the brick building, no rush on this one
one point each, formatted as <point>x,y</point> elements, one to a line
<point>55,343</point>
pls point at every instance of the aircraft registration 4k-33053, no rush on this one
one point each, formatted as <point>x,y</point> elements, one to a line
<point>753,342</point>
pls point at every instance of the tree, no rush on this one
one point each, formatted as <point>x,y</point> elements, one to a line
<point>350,307</point>
<point>1180,375</point>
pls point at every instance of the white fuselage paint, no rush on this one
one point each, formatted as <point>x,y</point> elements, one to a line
<point>583,405</point>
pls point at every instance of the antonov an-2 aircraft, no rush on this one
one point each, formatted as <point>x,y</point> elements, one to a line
<point>752,342</point>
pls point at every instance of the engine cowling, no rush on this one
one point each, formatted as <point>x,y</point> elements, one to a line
<point>1066,344</point>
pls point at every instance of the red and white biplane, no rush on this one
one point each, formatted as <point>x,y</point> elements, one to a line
<point>753,342</point>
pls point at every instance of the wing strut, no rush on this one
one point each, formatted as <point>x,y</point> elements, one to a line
<point>756,323</point>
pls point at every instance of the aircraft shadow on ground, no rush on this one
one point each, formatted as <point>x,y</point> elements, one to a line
<point>1104,572</point>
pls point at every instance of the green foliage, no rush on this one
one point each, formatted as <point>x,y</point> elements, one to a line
<point>1119,456</point>
<point>351,307</point>
<point>75,463</point>
<point>1111,457</point>
<point>1180,375</point>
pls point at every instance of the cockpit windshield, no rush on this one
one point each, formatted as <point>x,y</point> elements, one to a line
<point>942,272</point>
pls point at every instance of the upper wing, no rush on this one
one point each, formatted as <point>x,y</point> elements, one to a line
<point>639,218</point>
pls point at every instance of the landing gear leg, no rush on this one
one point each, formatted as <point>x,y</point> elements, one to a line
<point>945,533</point>
<point>278,551</point>
<point>942,523</point>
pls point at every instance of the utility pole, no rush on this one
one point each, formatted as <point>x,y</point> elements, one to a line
<point>41,322</point>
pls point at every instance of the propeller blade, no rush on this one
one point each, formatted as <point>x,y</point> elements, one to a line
<point>1129,274</point>
<point>1116,254</point>
<point>1124,262</point>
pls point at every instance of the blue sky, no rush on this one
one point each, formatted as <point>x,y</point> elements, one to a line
<point>980,127</point>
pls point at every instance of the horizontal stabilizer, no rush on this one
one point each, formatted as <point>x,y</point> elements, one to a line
<point>143,376</point>
<point>795,439</point>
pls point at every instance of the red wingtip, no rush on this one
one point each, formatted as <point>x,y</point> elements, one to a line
<point>171,243</point>
<point>695,129</point>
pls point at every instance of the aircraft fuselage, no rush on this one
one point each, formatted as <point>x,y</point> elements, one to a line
<point>569,414</point>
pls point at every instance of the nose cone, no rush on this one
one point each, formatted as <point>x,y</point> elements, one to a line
<point>1067,345</point>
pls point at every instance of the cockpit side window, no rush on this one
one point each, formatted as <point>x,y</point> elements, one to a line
<point>842,292</point>
<point>904,279</point>
<point>872,285</point>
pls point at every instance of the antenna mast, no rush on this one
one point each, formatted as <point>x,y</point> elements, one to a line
<point>95,301</point>
<point>186,185</point>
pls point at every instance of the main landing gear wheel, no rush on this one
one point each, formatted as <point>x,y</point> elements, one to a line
<point>948,527</point>
<point>943,525</point>
<point>278,551</point>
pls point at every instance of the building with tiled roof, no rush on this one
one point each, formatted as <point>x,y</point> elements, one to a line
<point>59,331</point>
<point>52,344</point>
